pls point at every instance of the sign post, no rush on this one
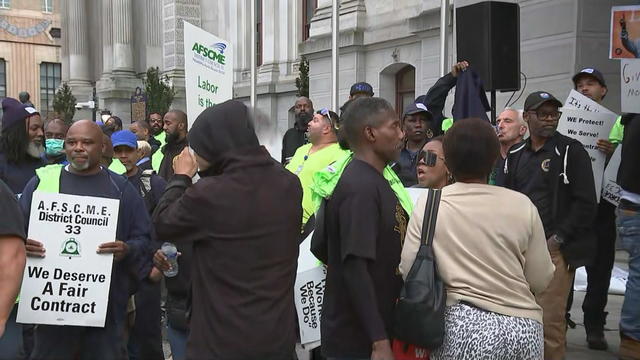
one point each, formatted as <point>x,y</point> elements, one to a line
<point>70,285</point>
<point>208,70</point>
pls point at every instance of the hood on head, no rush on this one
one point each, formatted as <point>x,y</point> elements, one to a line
<point>221,129</point>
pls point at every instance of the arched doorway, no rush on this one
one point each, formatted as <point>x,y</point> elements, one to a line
<point>405,88</point>
<point>398,85</point>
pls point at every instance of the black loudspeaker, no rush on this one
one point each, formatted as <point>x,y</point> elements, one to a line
<point>488,37</point>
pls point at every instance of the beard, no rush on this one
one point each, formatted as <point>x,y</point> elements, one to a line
<point>172,138</point>
<point>303,118</point>
<point>35,150</point>
<point>79,167</point>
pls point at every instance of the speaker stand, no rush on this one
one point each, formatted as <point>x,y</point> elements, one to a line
<point>493,107</point>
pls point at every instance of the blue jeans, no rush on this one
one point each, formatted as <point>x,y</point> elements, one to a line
<point>628,224</point>
<point>178,342</point>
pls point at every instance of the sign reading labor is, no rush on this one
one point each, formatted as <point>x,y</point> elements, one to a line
<point>630,85</point>
<point>587,127</point>
<point>70,285</point>
<point>208,70</point>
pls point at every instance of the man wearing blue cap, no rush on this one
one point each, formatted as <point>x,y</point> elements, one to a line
<point>145,341</point>
<point>21,144</point>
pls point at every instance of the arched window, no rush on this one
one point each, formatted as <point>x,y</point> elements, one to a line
<point>405,88</point>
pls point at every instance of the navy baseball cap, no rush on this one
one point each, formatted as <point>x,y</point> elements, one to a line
<point>415,108</point>
<point>536,99</point>
<point>124,138</point>
<point>361,87</point>
<point>594,73</point>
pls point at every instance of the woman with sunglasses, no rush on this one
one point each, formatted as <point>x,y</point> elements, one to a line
<point>431,170</point>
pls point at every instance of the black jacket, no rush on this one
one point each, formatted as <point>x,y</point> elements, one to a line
<point>574,205</point>
<point>471,99</point>
<point>170,151</point>
<point>291,141</point>
<point>436,98</point>
<point>629,171</point>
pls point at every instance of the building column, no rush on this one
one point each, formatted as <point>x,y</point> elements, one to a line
<point>122,38</point>
<point>78,50</point>
<point>118,81</point>
<point>174,13</point>
<point>153,33</point>
<point>107,37</point>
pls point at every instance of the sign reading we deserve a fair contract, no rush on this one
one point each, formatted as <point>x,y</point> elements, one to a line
<point>208,70</point>
<point>70,285</point>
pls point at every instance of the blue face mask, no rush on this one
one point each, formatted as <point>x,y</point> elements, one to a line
<point>54,146</point>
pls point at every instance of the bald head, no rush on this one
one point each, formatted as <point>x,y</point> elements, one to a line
<point>84,146</point>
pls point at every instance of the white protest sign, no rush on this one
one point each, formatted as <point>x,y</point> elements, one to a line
<point>610,189</point>
<point>208,70</point>
<point>309,293</point>
<point>630,85</point>
<point>70,285</point>
<point>588,128</point>
<point>575,100</point>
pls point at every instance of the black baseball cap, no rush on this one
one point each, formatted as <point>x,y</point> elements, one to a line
<point>415,108</point>
<point>361,87</point>
<point>594,73</point>
<point>536,99</point>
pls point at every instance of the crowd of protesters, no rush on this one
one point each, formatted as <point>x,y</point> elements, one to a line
<point>518,215</point>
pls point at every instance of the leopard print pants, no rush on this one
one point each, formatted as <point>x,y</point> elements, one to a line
<point>473,333</point>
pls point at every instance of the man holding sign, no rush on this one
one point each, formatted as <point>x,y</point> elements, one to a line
<point>101,189</point>
<point>590,83</point>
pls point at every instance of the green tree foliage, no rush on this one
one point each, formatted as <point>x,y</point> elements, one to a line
<point>64,103</point>
<point>159,94</point>
<point>302,81</point>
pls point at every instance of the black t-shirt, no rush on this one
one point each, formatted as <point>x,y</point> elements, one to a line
<point>12,223</point>
<point>532,179</point>
<point>363,219</point>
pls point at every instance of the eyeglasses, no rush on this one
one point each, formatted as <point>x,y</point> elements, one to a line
<point>326,112</point>
<point>553,115</point>
<point>429,158</point>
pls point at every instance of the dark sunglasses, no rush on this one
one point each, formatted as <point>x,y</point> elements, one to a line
<point>429,158</point>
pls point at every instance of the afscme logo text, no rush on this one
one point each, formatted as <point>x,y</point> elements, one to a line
<point>210,53</point>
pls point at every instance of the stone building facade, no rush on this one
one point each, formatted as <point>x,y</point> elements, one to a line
<point>30,50</point>
<point>394,45</point>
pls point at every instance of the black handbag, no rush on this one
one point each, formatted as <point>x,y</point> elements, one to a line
<point>419,313</point>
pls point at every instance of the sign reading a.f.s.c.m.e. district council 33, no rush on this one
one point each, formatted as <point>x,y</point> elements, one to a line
<point>70,284</point>
<point>208,66</point>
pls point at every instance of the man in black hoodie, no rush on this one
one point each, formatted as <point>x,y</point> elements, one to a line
<point>243,219</point>
<point>554,171</point>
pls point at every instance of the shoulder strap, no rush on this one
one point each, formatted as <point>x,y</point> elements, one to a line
<point>430,216</point>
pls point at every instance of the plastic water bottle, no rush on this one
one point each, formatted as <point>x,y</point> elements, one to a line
<point>171,252</point>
